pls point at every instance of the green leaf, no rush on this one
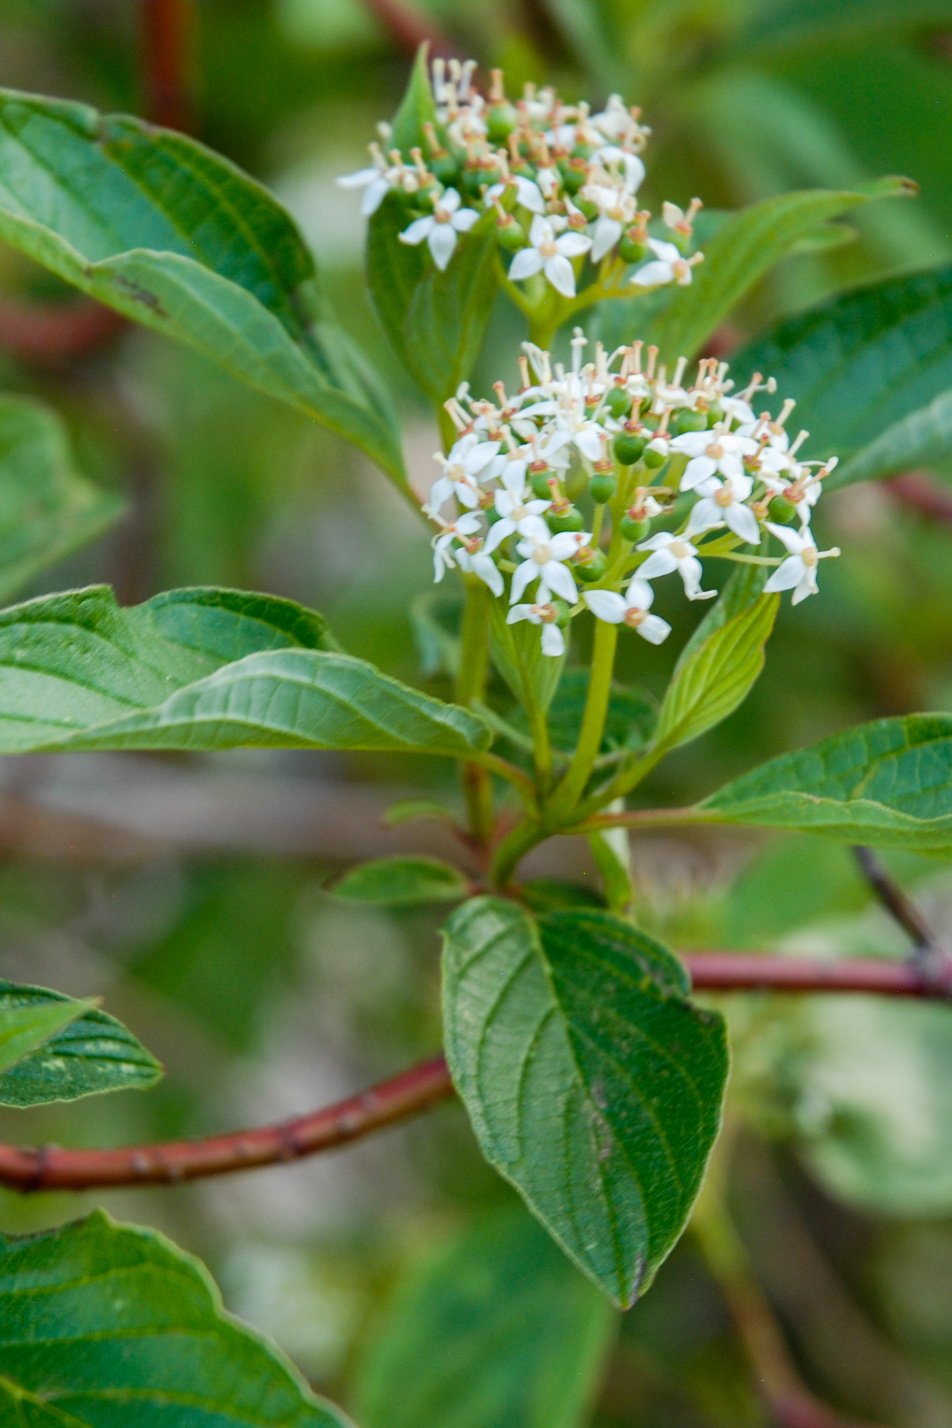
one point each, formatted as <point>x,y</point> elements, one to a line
<point>592,1084</point>
<point>173,236</point>
<point>202,669</point>
<point>888,783</point>
<point>516,652</point>
<point>47,509</point>
<point>103,1324</point>
<point>742,587</point>
<point>53,1048</point>
<point>436,321</point>
<point>403,882</point>
<point>871,372</point>
<point>716,676</point>
<point>742,250</point>
<point>494,1328</point>
<point>417,107</point>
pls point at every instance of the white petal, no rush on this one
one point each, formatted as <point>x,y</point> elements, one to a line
<point>449,201</point>
<point>607,233</point>
<point>788,537</point>
<point>417,231</point>
<point>464,220</point>
<point>589,442</point>
<point>442,241</point>
<point>560,582</point>
<point>707,515</point>
<point>652,275</point>
<point>564,545</point>
<point>698,469</point>
<point>488,571</point>
<point>540,231</point>
<point>662,562</point>
<point>560,274</point>
<point>530,196</point>
<point>656,542</point>
<point>525,264</point>
<point>743,522</point>
<point>605,605</point>
<point>654,629</point>
<point>694,443</point>
<point>523,575</point>
<point>519,612</point>
<point>639,594</point>
<point>573,245</point>
<point>807,586</point>
<point>553,640</point>
<point>667,252</point>
<point>786,575</point>
<point>374,195</point>
<point>497,534</point>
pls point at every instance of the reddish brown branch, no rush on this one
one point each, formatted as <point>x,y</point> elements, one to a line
<point>50,1168</point>
<point>919,492</point>
<point>51,334</point>
<point>53,1168</point>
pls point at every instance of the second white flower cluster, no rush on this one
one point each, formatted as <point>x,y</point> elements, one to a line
<point>561,483</point>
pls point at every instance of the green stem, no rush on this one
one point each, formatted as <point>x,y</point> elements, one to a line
<point>523,838</point>
<point>471,688</point>
<point>589,742</point>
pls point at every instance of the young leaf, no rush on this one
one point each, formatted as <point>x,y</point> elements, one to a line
<point>173,236</point>
<point>716,676</point>
<point>742,250</point>
<point>403,882</point>
<point>47,509</point>
<point>55,1049</point>
<point>592,1084</point>
<point>888,783</point>
<point>494,1328</point>
<point>102,1324</point>
<point>202,669</point>
<point>871,372</point>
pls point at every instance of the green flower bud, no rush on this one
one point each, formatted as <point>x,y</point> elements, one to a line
<point>568,519</point>
<point>574,174</point>
<point>782,512</point>
<point>603,486</point>
<point>511,235</point>
<point>690,421</point>
<point>586,206</point>
<point>629,448</point>
<point>562,613</point>
<point>590,565</point>
<point>539,481</point>
<point>618,402</point>
<point>653,459</point>
<point>446,168</point>
<point>501,120</point>
<point>629,251</point>
<point>633,530</point>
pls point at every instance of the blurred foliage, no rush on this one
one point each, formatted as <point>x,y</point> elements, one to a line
<point>261,995</point>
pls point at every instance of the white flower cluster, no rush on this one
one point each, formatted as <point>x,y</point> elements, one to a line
<point>563,182</point>
<point>562,483</point>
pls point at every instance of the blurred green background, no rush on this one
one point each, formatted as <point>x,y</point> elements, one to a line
<point>189,894</point>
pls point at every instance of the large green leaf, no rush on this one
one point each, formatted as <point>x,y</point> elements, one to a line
<point>871,372</point>
<point>743,249</point>
<point>47,508</point>
<point>102,1325</point>
<point>494,1328</point>
<point>888,783</point>
<point>55,1049</point>
<point>716,676</point>
<point>202,669</point>
<point>167,232</point>
<point>592,1084</point>
<point>436,321</point>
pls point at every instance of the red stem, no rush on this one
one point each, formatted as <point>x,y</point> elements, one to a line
<point>50,334</point>
<point>52,1168</point>
<point>410,29</point>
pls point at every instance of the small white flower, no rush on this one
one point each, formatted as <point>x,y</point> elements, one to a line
<point>616,213</point>
<point>543,556</point>
<point>542,613</point>
<point>445,551</point>
<point>550,255</point>
<point>516,512</point>
<point>478,562</point>
<point>528,194</point>
<point>798,571</point>
<point>630,609</point>
<point>669,553</point>
<point>468,460</point>
<point>441,227</point>
<point>669,266</point>
<point>722,505</point>
<point>712,453</point>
